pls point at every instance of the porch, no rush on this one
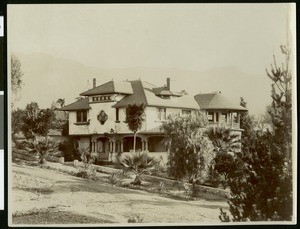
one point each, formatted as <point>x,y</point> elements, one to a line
<point>106,147</point>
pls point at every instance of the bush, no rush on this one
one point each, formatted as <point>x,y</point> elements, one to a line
<point>42,146</point>
<point>69,150</point>
<point>138,162</point>
<point>190,149</point>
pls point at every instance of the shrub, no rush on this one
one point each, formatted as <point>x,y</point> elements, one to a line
<point>138,162</point>
<point>42,146</point>
<point>135,219</point>
<point>69,150</point>
<point>190,149</point>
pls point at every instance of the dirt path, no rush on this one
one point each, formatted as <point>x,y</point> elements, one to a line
<point>34,187</point>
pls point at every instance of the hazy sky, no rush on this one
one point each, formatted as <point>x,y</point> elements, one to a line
<point>188,36</point>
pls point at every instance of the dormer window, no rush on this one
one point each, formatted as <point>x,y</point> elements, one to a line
<point>101,98</point>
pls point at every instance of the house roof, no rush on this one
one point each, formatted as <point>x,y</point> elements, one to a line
<point>216,101</point>
<point>110,87</point>
<point>143,93</point>
<point>164,91</point>
<point>81,104</point>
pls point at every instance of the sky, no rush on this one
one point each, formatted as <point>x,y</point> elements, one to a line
<point>187,36</point>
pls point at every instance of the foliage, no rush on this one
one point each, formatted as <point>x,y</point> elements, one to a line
<point>223,139</point>
<point>87,170</point>
<point>16,76</point>
<point>224,166</point>
<point>135,219</point>
<point>42,146</point>
<point>190,148</point>
<point>69,149</point>
<point>134,118</point>
<point>262,187</point>
<point>248,126</point>
<point>225,143</point>
<point>16,122</point>
<point>138,162</point>
<point>281,94</point>
<point>36,121</point>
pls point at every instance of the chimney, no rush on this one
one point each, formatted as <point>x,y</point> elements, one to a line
<point>94,82</point>
<point>168,84</point>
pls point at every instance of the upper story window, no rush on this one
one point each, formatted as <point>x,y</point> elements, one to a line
<point>117,115</point>
<point>161,113</point>
<point>186,112</point>
<point>81,116</point>
<point>210,116</point>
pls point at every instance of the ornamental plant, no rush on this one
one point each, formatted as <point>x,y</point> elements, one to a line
<point>190,150</point>
<point>138,163</point>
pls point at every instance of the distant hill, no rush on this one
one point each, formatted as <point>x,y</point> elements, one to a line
<point>47,78</point>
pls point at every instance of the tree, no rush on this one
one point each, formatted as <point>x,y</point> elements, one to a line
<point>190,149</point>
<point>226,144</point>
<point>223,139</point>
<point>16,122</point>
<point>281,94</point>
<point>36,121</point>
<point>262,190</point>
<point>134,118</point>
<point>247,125</point>
<point>16,76</point>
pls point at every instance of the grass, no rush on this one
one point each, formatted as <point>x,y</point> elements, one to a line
<point>57,218</point>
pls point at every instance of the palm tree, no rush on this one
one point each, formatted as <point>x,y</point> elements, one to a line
<point>134,118</point>
<point>138,164</point>
<point>223,139</point>
<point>42,146</point>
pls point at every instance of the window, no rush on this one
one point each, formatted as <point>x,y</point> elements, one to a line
<point>210,116</point>
<point>217,116</point>
<point>186,112</point>
<point>161,113</point>
<point>81,116</point>
<point>117,115</point>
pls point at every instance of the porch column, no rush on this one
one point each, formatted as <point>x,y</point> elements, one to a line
<point>231,114</point>
<point>146,144</point>
<point>113,146</point>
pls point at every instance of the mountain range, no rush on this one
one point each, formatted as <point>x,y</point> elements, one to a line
<point>47,78</point>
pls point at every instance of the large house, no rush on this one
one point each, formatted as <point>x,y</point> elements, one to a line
<point>96,120</point>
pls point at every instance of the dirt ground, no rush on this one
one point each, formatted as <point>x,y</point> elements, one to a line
<point>38,188</point>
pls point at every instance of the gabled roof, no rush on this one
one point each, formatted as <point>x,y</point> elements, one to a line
<point>110,87</point>
<point>81,104</point>
<point>216,101</point>
<point>143,93</point>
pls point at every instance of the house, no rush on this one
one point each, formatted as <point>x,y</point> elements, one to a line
<point>220,111</point>
<point>97,119</point>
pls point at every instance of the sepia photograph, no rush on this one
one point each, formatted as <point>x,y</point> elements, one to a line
<point>151,114</point>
